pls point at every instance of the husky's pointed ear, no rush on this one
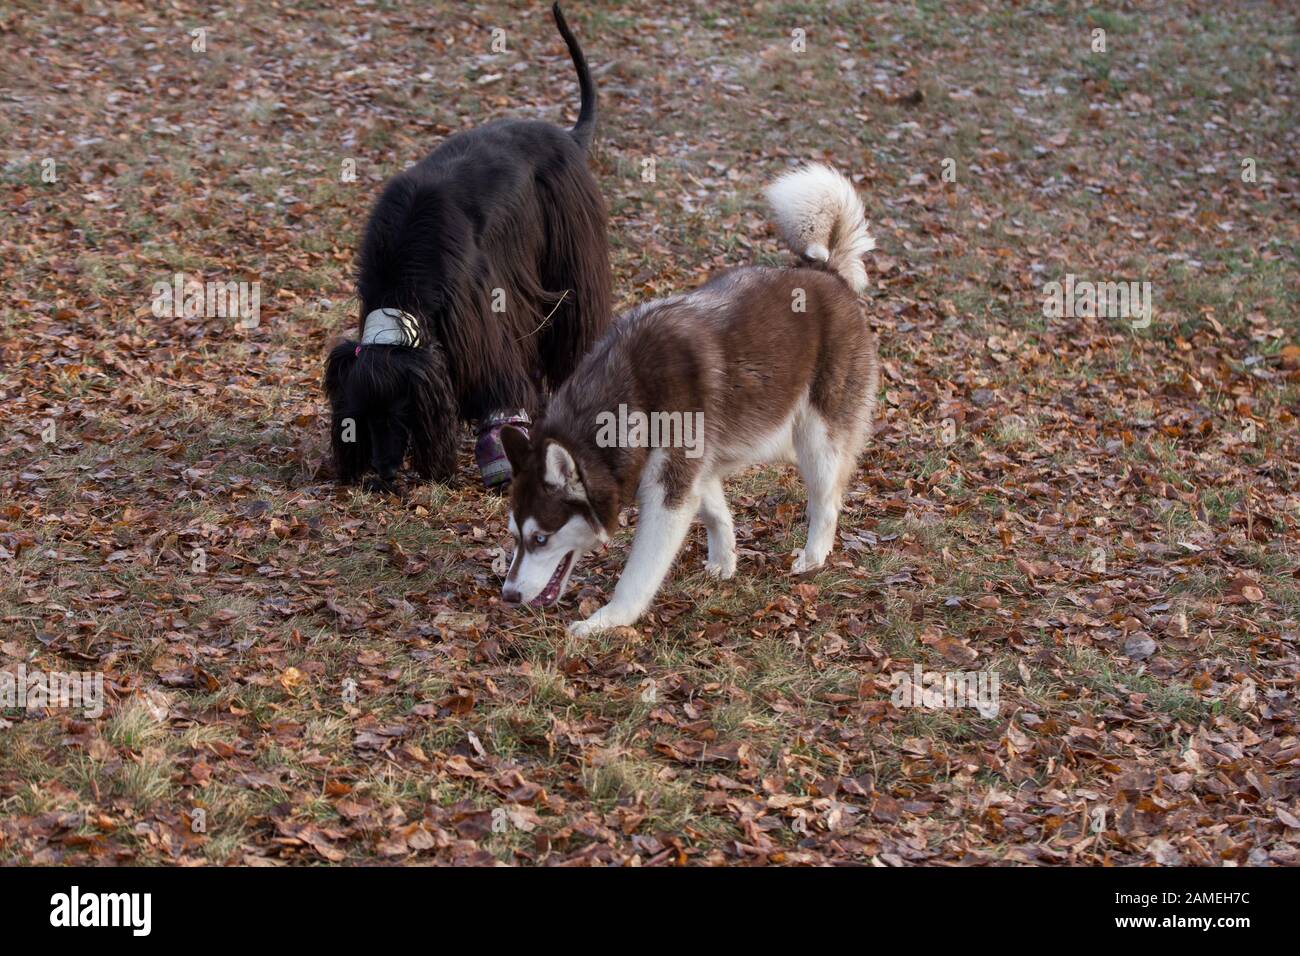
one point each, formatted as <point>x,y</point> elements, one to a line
<point>562,472</point>
<point>515,442</point>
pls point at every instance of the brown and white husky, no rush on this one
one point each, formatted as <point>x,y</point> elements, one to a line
<point>758,365</point>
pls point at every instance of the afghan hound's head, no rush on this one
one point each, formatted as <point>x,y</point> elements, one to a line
<point>387,401</point>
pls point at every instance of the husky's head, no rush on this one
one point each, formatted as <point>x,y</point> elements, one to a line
<point>553,518</point>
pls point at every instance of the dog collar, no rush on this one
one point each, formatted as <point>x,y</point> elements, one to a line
<point>391,327</point>
<point>508,417</point>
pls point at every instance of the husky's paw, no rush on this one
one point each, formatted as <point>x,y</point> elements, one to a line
<point>723,570</point>
<point>803,564</point>
<point>583,628</point>
<point>607,618</point>
<point>600,621</point>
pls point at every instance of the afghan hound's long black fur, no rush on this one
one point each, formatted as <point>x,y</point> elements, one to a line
<point>495,243</point>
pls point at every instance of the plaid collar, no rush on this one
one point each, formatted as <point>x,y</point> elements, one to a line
<point>391,327</point>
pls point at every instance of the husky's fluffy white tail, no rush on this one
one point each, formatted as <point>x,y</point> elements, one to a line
<point>819,215</point>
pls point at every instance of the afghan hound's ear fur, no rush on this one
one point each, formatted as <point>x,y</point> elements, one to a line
<point>350,458</point>
<point>435,419</point>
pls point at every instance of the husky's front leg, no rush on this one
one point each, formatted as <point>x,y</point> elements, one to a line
<point>721,529</point>
<point>660,531</point>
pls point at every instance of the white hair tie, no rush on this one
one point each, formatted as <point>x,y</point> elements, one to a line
<point>391,327</point>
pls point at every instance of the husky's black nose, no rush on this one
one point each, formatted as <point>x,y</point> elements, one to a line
<point>510,595</point>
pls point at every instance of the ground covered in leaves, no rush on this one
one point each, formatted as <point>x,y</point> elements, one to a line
<point>1102,515</point>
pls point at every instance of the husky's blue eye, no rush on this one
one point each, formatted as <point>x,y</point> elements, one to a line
<point>539,539</point>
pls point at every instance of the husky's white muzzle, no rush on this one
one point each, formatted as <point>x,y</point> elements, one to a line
<point>544,561</point>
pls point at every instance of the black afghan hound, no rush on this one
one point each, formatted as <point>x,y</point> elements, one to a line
<point>483,278</point>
